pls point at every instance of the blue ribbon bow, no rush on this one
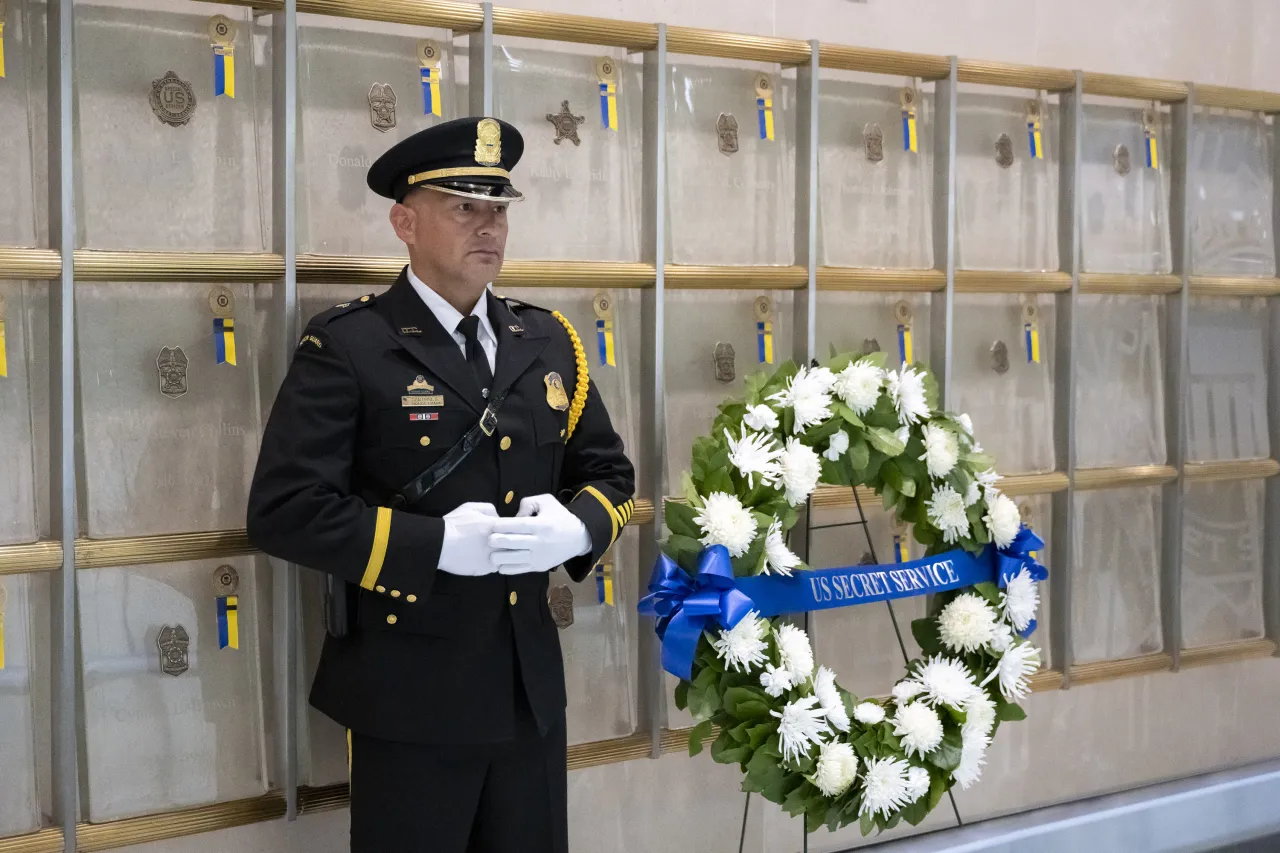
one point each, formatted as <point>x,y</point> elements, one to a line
<point>1015,558</point>
<point>685,606</point>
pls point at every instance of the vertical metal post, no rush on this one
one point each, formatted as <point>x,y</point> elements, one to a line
<point>284,137</point>
<point>62,415</point>
<point>806,301</point>
<point>944,229</point>
<point>1271,523</point>
<point>480,66</point>
<point>1062,523</point>
<point>1175,389</point>
<point>653,473</point>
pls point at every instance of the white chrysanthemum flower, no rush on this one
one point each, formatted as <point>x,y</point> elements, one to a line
<point>1002,639</point>
<point>756,453</point>
<point>824,687</point>
<point>988,479</point>
<point>973,754</point>
<point>906,388</point>
<point>967,623</point>
<point>905,691</point>
<point>778,558</point>
<point>1020,599</point>
<point>945,680</point>
<point>868,713</point>
<point>858,386</point>
<point>801,470</point>
<point>800,725</point>
<point>795,651</point>
<point>941,450</point>
<point>946,512</point>
<point>1002,519</point>
<point>1016,667</point>
<point>725,521</point>
<point>919,727</point>
<point>917,783</point>
<point>837,446</point>
<point>743,647</point>
<point>979,713</point>
<point>837,768</point>
<point>903,434</point>
<point>761,417</point>
<point>973,494</point>
<point>966,422</point>
<point>807,395</point>
<point>884,786</point>
<point>775,681</point>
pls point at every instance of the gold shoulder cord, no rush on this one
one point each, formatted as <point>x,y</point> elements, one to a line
<point>583,378</point>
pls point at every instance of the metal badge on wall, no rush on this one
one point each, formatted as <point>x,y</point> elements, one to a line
<point>382,106</point>
<point>566,124</point>
<point>1000,357</point>
<point>727,134</point>
<point>172,100</point>
<point>173,642</point>
<point>560,602</point>
<point>724,356</point>
<point>172,366</point>
<point>873,142</point>
<point>1121,160</point>
<point>1004,151</point>
<point>226,580</point>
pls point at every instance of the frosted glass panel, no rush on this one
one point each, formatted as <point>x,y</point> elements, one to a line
<point>339,60</point>
<point>132,169</point>
<point>22,42</point>
<point>866,322</point>
<point>1120,381</point>
<point>734,208</point>
<point>875,200</point>
<point>1125,212</point>
<point>323,743</point>
<point>1115,588</point>
<point>19,796</point>
<point>17,463</point>
<point>582,200</point>
<point>1222,562</point>
<point>155,463</point>
<point>1226,405</point>
<point>1006,215</point>
<point>1009,398</point>
<point>696,323</point>
<point>1231,189</point>
<point>157,741</point>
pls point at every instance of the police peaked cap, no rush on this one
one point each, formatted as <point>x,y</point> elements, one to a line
<point>471,157</point>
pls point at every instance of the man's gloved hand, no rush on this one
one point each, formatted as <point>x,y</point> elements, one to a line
<point>542,536</point>
<point>466,550</point>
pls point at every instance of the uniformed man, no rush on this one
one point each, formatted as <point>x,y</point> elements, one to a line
<point>441,451</point>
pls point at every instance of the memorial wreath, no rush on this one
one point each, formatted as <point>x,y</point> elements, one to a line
<point>802,741</point>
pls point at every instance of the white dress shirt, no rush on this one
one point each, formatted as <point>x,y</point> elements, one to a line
<point>450,317</point>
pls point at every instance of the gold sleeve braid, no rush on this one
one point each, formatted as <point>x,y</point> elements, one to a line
<point>581,381</point>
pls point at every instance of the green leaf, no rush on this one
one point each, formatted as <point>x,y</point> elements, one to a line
<point>892,475</point>
<point>682,695</point>
<point>888,494</point>
<point>689,490</point>
<point>726,750</point>
<point>978,461</point>
<point>763,772</point>
<point>879,358</point>
<point>758,734</point>
<point>703,704</point>
<point>989,591</point>
<point>846,414</point>
<point>706,679</point>
<point>1009,712</point>
<point>866,823</point>
<point>885,441</point>
<point>836,473</point>
<point>859,454</point>
<point>937,788</point>
<point>746,703</point>
<point>750,563</point>
<point>680,520</point>
<point>719,480</point>
<point>925,632</point>
<point>916,812</point>
<point>947,755</point>
<point>697,735</point>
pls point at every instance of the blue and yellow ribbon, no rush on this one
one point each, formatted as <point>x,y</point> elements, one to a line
<point>609,105</point>
<point>1031,337</point>
<point>1033,137</point>
<point>224,70</point>
<point>604,338</point>
<point>764,341</point>
<point>899,548</point>
<point>1153,157</point>
<point>910,142</point>
<point>4,358</point>
<point>905,350</point>
<point>1,62</point>
<point>224,340</point>
<point>604,583</point>
<point>764,106</point>
<point>228,622</point>
<point>430,91</point>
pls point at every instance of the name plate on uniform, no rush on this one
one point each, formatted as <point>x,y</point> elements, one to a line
<point>422,400</point>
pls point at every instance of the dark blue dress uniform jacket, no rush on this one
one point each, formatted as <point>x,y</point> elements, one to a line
<point>431,657</point>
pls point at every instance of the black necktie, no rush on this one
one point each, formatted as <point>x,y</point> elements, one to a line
<point>470,328</point>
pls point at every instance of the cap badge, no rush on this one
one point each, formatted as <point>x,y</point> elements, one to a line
<point>488,142</point>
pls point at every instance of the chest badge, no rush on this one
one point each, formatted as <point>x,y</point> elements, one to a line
<point>556,397</point>
<point>421,395</point>
<point>560,603</point>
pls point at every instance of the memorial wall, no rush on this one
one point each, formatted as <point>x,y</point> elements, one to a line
<point>1087,263</point>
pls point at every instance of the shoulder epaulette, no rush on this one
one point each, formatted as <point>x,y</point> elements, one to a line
<point>341,309</point>
<point>518,305</point>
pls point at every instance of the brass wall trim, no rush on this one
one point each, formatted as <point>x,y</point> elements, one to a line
<point>1034,484</point>
<point>1237,99</point>
<point>699,42</point>
<point>29,264</point>
<point>837,497</point>
<point>553,26</point>
<point>894,62</point>
<point>323,799</point>
<point>1017,76</point>
<point>1109,670</point>
<point>1046,680</point>
<point>1230,470</point>
<point>593,274</point>
<point>1228,652</point>
<point>348,269</point>
<point>94,265</point>
<point>167,548</point>
<point>176,824</point>
<point>611,751</point>
<point>1218,285</point>
<point>1011,281</point>
<point>644,512</point>
<point>42,556</point>
<point>459,17</point>
<point>691,277</point>
<point>1134,285</point>
<point>1118,478</point>
<point>44,841</point>
<point>880,281</point>
<point>1139,88</point>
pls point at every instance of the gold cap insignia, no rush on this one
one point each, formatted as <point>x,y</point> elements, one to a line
<point>557,398</point>
<point>488,142</point>
<point>420,386</point>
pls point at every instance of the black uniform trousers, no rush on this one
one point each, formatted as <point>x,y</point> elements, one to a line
<point>504,797</point>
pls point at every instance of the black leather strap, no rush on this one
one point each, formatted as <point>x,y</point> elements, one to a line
<point>415,489</point>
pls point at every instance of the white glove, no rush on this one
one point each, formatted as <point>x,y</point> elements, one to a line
<point>542,536</point>
<point>465,550</point>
